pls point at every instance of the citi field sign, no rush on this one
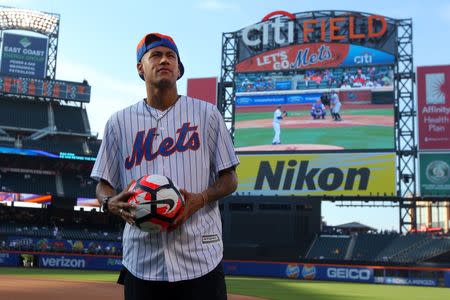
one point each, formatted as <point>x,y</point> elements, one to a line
<point>328,29</point>
<point>319,174</point>
<point>321,39</point>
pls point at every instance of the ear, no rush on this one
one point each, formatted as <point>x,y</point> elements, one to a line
<point>140,68</point>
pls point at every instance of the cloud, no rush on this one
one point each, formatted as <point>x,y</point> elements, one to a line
<point>217,5</point>
<point>108,93</point>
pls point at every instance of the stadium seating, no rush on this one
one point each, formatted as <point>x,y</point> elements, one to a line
<point>28,183</point>
<point>399,244</point>
<point>69,118</point>
<point>368,246</point>
<point>329,247</point>
<point>23,113</point>
<point>314,79</point>
<point>56,144</point>
<point>76,185</point>
<point>427,248</point>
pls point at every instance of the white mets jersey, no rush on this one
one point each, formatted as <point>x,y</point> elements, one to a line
<point>188,143</point>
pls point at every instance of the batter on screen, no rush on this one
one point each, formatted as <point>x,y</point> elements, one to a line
<point>186,140</point>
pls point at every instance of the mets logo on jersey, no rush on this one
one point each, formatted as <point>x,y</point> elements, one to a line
<point>143,145</point>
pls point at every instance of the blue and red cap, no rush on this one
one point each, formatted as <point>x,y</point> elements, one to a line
<point>153,40</point>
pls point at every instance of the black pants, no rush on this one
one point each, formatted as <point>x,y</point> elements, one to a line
<point>208,287</point>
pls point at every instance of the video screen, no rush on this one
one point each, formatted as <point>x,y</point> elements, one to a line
<point>91,202</point>
<point>28,198</point>
<point>341,108</point>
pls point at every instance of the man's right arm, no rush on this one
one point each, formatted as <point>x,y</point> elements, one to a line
<point>117,203</point>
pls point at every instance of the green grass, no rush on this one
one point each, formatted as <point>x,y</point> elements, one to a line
<point>283,289</point>
<point>269,115</point>
<point>270,288</point>
<point>357,137</point>
<point>63,274</point>
<point>349,137</point>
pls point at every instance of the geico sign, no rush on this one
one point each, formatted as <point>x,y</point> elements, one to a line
<point>329,29</point>
<point>63,262</point>
<point>343,273</point>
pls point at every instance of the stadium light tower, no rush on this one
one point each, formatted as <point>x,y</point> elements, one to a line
<point>36,21</point>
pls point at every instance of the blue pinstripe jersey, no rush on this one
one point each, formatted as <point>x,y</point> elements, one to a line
<point>189,143</point>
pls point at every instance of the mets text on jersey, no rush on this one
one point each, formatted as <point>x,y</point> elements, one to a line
<point>143,147</point>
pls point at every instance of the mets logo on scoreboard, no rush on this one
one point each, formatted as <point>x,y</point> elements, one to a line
<point>187,139</point>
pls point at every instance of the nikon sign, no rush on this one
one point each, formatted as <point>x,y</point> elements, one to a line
<point>330,174</point>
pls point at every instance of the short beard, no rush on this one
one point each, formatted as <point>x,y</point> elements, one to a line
<point>164,84</point>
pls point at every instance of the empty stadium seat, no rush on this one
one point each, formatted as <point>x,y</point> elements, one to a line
<point>329,247</point>
<point>68,118</point>
<point>23,113</point>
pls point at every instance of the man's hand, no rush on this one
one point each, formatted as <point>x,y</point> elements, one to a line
<point>193,202</point>
<point>118,205</point>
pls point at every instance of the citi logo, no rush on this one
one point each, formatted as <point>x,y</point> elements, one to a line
<point>297,175</point>
<point>63,262</point>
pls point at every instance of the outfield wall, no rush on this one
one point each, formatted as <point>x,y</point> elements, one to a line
<point>61,261</point>
<point>417,276</point>
<point>346,273</point>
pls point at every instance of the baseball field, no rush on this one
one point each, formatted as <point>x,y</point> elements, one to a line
<point>44,284</point>
<point>363,126</point>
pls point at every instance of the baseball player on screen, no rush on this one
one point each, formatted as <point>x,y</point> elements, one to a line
<point>277,117</point>
<point>186,140</point>
<point>335,105</point>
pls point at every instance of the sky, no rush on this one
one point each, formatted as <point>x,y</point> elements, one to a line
<point>97,42</point>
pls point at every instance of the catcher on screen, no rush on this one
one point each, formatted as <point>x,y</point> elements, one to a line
<point>177,141</point>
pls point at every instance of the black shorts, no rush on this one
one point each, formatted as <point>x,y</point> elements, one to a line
<point>208,287</point>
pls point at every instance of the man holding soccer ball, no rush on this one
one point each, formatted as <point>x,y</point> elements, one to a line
<point>187,141</point>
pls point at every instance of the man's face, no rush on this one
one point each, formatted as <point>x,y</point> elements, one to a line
<point>160,67</point>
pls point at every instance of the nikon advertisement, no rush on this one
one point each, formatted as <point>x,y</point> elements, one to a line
<point>317,174</point>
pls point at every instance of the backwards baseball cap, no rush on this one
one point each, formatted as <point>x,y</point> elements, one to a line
<point>153,40</point>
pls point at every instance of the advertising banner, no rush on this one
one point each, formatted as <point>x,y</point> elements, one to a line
<point>80,262</point>
<point>47,244</point>
<point>406,281</point>
<point>447,278</point>
<point>57,89</point>
<point>9,259</point>
<point>318,174</point>
<point>284,99</point>
<point>279,29</point>
<point>299,271</point>
<point>433,99</point>
<point>24,55</point>
<point>34,152</point>
<point>434,174</point>
<point>314,55</point>
<point>22,197</point>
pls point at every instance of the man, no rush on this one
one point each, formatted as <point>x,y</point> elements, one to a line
<point>186,140</point>
<point>277,117</point>
<point>335,106</point>
<point>318,110</point>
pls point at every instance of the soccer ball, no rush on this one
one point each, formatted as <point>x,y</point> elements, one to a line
<point>158,202</point>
